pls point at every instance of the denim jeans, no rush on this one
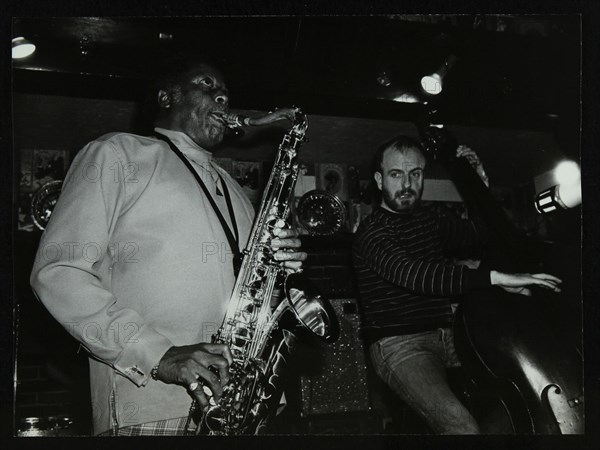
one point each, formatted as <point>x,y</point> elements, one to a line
<point>414,367</point>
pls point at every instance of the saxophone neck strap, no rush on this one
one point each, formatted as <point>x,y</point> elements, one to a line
<point>231,238</point>
<point>230,209</point>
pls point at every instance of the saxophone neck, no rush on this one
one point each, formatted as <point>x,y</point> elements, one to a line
<point>293,114</point>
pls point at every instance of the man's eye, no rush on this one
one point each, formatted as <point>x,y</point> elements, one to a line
<point>416,174</point>
<point>204,82</point>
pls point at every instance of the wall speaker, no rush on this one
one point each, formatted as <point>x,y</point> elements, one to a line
<point>336,378</point>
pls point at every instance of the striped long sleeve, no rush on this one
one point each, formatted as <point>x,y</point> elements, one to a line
<point>403,276</point>
<point>459,233</point>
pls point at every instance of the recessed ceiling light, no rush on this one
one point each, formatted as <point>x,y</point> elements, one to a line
<point>21,48</point>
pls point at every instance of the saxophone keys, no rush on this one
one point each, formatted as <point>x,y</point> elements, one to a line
<point>209,395</point>
<point>260,272</point>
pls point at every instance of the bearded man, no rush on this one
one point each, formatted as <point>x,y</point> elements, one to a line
<point>407,284</point>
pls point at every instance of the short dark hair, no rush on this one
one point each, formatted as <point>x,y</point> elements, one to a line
<point>174,70</point>
<point>169,73</point>
<point>400,143</point>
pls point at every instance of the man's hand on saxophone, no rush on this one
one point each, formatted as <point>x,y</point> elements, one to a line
<point>285,245</point>
<point>192,366</point>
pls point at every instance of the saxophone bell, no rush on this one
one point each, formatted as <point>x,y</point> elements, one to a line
<point>212,420</point>
<point>313,311</point>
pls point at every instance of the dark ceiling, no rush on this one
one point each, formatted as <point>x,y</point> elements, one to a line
<point>524,71</point>
<point>512,72</point>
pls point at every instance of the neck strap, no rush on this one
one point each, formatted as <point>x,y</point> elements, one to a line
<point>233,240</point>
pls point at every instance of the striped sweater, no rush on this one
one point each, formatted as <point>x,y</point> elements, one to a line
<point>404,278</point>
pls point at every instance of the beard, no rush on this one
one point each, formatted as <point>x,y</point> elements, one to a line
<point>215,135</point>
<point>206,134</point>
<point>403,201</point>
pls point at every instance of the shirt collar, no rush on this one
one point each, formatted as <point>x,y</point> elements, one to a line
<point>399,216</point>
<point>186,145</point>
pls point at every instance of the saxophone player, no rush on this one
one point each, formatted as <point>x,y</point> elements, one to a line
<point>137,261</point>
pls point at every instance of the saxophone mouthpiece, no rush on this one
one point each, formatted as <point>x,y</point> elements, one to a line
<point>234,121</point>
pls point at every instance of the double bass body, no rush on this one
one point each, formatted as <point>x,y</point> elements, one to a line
<point>522,360</point>
<point>520,363</point>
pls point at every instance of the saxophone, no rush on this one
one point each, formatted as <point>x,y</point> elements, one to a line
<point>248,400</point>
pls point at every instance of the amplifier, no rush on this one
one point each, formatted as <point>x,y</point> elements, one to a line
<point>337,381</point>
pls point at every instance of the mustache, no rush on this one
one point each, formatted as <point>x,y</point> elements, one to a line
<point>406,191</point>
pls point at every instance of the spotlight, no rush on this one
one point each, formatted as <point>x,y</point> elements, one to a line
<point>567,172</point>
<point>21,48</point>
<point>561,196</point>
<point>432,84</point>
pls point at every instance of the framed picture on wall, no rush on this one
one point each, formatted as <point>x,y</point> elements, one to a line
<point>48,165</point>
<point>306,181</point>
<point>333,178</point>
<point>26,175</point>
<point>24,221</point>
<point>38,167</point>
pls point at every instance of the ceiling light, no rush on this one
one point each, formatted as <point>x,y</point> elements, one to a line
<point>406,98</point>
<point>21,48</point>
<point>432,84</point>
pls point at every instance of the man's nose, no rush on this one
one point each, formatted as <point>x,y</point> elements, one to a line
<point>222,99</point>
<point>407,182</point>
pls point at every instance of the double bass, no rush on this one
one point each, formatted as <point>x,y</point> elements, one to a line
<point>522,361</point>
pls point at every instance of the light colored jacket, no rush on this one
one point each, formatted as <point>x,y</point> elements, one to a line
<point>134,261</point>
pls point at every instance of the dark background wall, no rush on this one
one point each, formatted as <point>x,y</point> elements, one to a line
<point>512,156</point>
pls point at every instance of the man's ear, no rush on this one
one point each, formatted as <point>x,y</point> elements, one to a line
<point>164,99</point>
<point>377,176</point>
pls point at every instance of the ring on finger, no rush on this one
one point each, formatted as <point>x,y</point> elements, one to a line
<point>193,386</point>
